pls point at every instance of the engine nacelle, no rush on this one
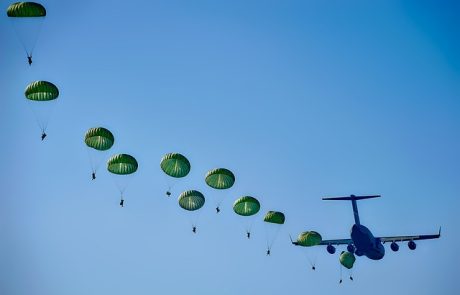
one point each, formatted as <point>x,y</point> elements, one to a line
<point>394,247</point>
<point>330,249</point>
<point>351,248</point>
<point>412,245</point>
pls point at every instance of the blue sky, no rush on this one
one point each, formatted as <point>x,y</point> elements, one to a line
<point>300,99</point>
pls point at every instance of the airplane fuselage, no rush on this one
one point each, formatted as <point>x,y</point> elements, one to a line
<point>365,243</point>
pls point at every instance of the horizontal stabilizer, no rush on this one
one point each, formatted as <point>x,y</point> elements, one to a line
<point>350,198</point>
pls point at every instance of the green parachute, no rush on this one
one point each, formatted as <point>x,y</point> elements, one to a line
<point>274,217</point>
<point>309,238</point>
<point>26,9</point>
<point>347,259</point>
<point>176,166</point>
<point>27,19</point>
<point>97,139</point>
<point>122,166</point>
<point>246,206</point>
<point>42,96</point>
<point>41,91</point>
<point>273,221</point>
<point>191,201</point>
<point>220,179</point>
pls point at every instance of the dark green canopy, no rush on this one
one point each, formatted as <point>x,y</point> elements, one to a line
<point>309,238</point>
<point>122,164</point>
<point>246,206</point>
<point>175,165</point>
<point>41,91</point>
<point>191,200</point>
<point>99,138</point>
<point>274,217</point>
<point>347,259</point>
<point>26,9</point>
<point>220,178</point>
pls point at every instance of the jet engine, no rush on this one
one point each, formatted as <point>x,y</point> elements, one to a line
<point>394,247</point>
<point>412,245</point>
<point>330,249</point>
<point>351,248</point>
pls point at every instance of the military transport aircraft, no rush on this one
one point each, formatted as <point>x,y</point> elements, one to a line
<point>363,242</point>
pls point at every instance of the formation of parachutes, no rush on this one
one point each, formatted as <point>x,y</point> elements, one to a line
<point>99,140</point>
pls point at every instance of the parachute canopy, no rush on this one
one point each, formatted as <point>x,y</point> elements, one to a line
<point>122,164</point>
<point>246,206</point>
<point>347,259</point>
<point>191,200</point>
<point>175,165</point>
<point>41,91</point>
<point>26,9</point>
<point>309,238</point>
<point>220,178</point>
<point>99,138</point>
<point>274,217</point>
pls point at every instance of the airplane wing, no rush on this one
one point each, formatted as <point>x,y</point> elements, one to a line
<point>410,238</point>
<point>336,242</point>
<point>329,242</point>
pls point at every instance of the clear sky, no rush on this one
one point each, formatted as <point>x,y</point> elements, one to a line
<point>300,99</point>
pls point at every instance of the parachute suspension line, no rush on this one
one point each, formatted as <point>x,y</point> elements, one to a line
<point>305,253</point>
<point>16,32</point>
<point>315,258</point>
<point>273,239</point>
<point>249,226</point>
<point>196,217</point>
<point>45,113</point>
<point>34,42</point>
<point>312,262</point>
<point>193,220</point>
<point>35,39</point>
<point>50,113</point>
<point>267,237</point>
<point>218,203</point>
<point>169,183</point>
<point>91,160</point>
<point>220,198</point>
<point>37,120</point>
<point>96,163</point>
<point>340,281</point>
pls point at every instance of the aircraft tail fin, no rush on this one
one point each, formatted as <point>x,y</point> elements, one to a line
<point>353,200</point>
<point>350,198</point>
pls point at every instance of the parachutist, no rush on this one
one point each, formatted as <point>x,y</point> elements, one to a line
<point>43,136</point>
<point>121,202</point>
<point>248,234</point>
<point>351,278</point>
<point>340,282</point>
<point>194,229</point>
<point>217,209</point>
<point>29,59</point>
<point>268,252</point>
<point>93,176</point>
<point>313,267</point>
<point>168,193</point>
